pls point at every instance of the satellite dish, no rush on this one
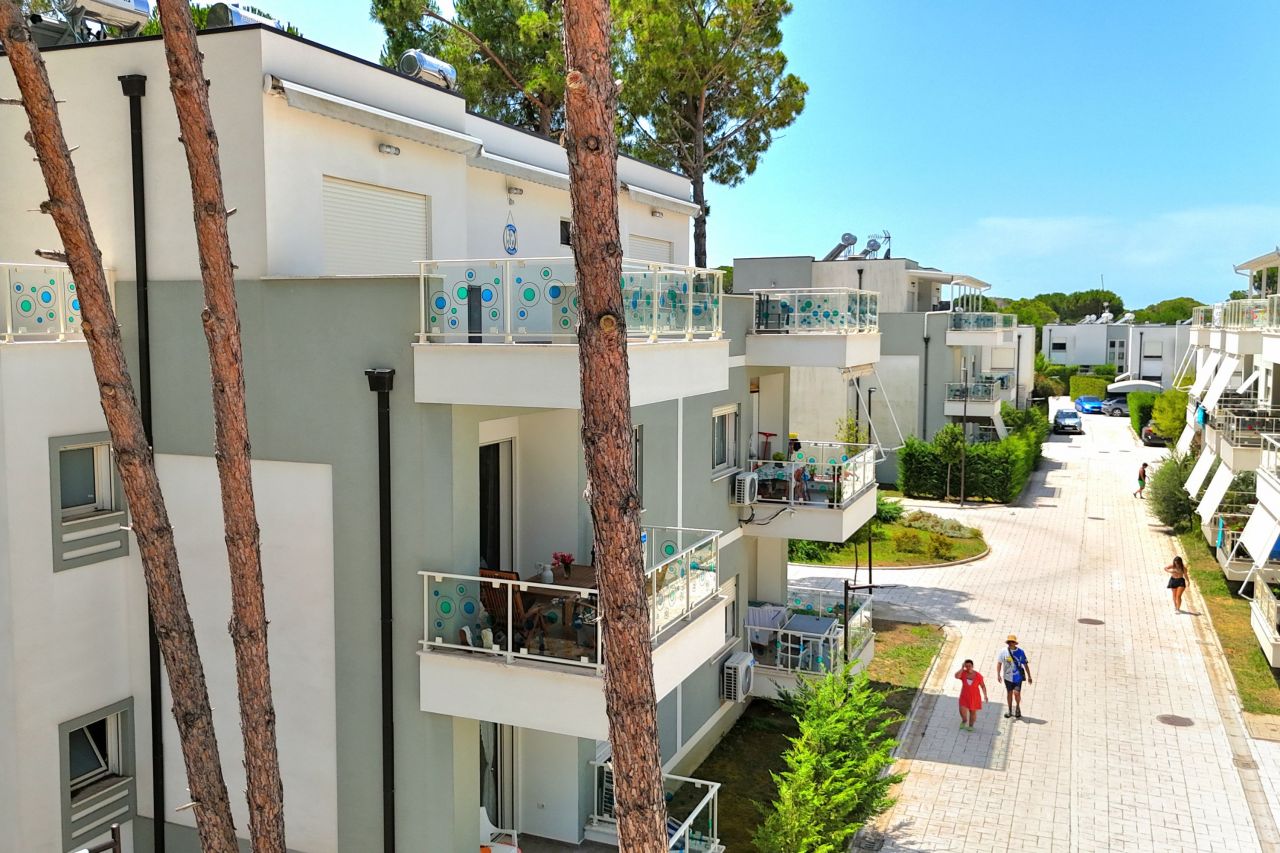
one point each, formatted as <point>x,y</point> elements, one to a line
<point>873,245</point>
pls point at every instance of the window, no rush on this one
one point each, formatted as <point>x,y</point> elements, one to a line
<point>724,438</point>
<point>637,460</point>
<point>1058,346</point>
<point>97,766</point>
<point>566,233</point>
<point>86,501</point>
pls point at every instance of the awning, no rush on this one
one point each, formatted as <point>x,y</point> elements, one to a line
<point>1128,386</point>
<point>1204,373</point>
<point>662,201</point>
<point>1215,493</point>
<point>353,112</point>
<point>516,169</point>
<point>1260,534</point>
<point>1184,440</point>
<point>1226,369</point>
<point>1253,377</point>
<point>1200,471</point>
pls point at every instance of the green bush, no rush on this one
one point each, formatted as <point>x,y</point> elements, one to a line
<point>993,470</point>
<point>888,510</point>
<point>941,547</point>
<point>1169,414</point>
<point>1089,386</point>
<point>930,523</point>
<point>907,542</point>
<point>1140,405</point>
<point>1106,371</point>
<point>1167,493</point>
<point>809,551</point>
<point>836,776</point>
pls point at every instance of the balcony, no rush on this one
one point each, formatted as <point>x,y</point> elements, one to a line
<point>1243,321</point>
<point>692,811</point>
<point>980,328</point>
<point>833,327</point>
<point>809,633</point>
<point>540,643</point>
<point>42,304</point>
<point>1239,432</point>
<point>818,490</point>
<point>1223,533</point>
<point>1264,615</point>
<point>980,398</point>
<point>504,332</point>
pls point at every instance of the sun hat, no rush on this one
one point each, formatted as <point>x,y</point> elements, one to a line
<point>1011,639</point>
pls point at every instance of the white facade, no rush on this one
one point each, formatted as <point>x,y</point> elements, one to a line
<point>1148,351</point>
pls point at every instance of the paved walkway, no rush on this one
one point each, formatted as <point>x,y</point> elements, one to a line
<point>1122,746</point>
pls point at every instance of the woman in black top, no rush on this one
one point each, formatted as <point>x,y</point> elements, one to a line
<point>1177,581</point>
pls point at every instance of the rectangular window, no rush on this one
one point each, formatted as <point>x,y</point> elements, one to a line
<point>566,232</point>
<point>637,460</point>
<point>86,501</point>
<point>97,768</point>
<point>1058,346</point>
<point>724,438</point>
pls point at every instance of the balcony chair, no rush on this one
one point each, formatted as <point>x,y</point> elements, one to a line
<point>489,832</point>
<point>525,622</point>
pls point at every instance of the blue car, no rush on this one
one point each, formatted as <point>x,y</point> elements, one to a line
<point>1089,405</point>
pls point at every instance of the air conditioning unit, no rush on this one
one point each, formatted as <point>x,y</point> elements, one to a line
<point>735,678</point>
<point>746,489</point>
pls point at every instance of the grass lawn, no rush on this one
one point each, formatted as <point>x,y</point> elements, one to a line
<point>753,748</point>
<point>1255,680</point>
<point>887,555</point>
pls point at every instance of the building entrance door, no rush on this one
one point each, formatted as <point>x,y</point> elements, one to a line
<point>496,506</point>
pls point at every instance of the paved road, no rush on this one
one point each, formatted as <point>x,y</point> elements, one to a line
<point>1091,766</point>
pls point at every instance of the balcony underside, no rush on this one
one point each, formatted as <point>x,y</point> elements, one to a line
<point>810,521</point>
<point>839,351</point>
<point>975,409</point>
<point>552,697</point>
<point>980,337</point>
<point>546,376</point>
<point>1242,341</point>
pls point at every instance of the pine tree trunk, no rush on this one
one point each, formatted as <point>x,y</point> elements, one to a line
<point>248,627</point>
<point>700,221</point>
<point>590,110</point>
<point>134,459</point>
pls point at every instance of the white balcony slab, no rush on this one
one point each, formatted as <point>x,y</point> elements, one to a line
<point>1239,457</point>
<point>1266,632</point>
<point>821,523</point>
<point>547,375</point>
<point>552,697</point>
<point>1267,490</point>
<point>1271,346</point>
<point>1242,341</point>
<point>981,337</point>
<point>816,349</point>
<point>975,409</point>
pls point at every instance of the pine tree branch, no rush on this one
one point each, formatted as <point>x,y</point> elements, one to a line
<point>489,52</point>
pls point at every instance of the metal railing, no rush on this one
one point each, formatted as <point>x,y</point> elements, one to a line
<point>1270,462</point>
<point>976,392</point>
<point>1273,312</point>
<point>1202,317</point>
<point>42,303</point>
<point>507,300</point>
<point>1264,599</point>
<point>981,321</point>
<point>1243,314</point>
<point>1245,429</point>
<point>817,641</point>
<point>816,311</point>
<point>817,473</point>
<point>558,623</point>
<point>693,809</point>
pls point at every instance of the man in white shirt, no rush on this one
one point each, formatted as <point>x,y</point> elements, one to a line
<point>1012,668</point>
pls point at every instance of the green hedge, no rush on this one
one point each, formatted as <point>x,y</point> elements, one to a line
<point>996,471</point>
<point>1140,405</point>
<point>1089,386</point>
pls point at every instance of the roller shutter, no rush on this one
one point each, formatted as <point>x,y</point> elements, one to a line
<point>371,230</point>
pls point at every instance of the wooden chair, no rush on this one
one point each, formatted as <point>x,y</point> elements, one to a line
<point>494,599</point>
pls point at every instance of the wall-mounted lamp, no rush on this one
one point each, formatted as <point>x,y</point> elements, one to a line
<point>384,148</point>
<point>656,214</point>
<point>515,191</point>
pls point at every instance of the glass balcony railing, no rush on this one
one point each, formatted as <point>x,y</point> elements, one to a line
<point>692,809</point>
<point>981,321</point>
<point>42,303</point>
<point>498,613</point>
<point>817,473</point>
<point>1202,317</point>
<point>1246,428</point>
<point>1270,462</point>
<point>1245,314</point>
<point>510,300</point>
<point>816,311</point>
<point>810,631</point>
<point>974,392</point>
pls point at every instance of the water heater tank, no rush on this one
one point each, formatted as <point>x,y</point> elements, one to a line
<point>415,63</point>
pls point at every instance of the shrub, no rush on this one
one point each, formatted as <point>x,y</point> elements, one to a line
<point>809,551</point>
<point>930,523</point>
<point>837,767</point>
<point>941,547</point>
<point>993,470</point>
<point>1140,405</point>
<point>907,542</point>
<point>1169,414</point>
<point>1089,386</point>
<point>888,510</point>
<point>1048,386</point>
<point>1106,371</point>
<point>1168,496</point>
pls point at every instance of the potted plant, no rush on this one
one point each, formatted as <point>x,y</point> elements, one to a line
<point>564,560</point>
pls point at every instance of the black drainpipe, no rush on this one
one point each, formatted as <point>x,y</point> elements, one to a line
<point>134,87</point>
<point>924,395</point>
<point>1017,371</point>
<point>380,381</point>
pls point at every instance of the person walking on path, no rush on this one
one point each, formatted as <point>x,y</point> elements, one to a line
<point>971,685</point>
<point>1012,667</point>
<point>1177,581</point>
<point>1142,482</point>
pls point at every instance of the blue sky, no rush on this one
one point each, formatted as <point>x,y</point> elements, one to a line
<point>1037,146</point>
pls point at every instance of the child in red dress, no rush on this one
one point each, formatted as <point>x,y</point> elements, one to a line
<point>971,685</point>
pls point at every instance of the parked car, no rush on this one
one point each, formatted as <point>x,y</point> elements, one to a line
<point>1116,406</point>
<point>1066,420</point>
<point>1150,438</point>
<point>1089,405</point>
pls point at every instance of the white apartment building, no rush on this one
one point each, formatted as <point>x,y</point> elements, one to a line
<point>380,226</point>
<point>1163,347</point>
